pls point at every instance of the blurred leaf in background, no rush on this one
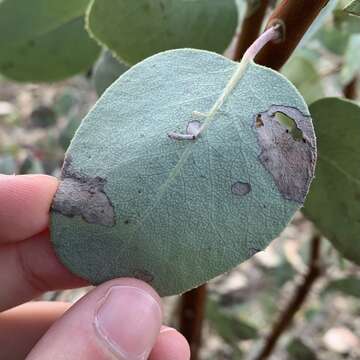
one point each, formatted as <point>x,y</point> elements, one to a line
<point>106,70</point>
<point>303,74</point>
<point>297,350</point>
<point>44,40</point>
<point>333,201</point>
<point>135,30</point>
<point>351,65</point>
<point>353,7</point>
<point>347,286</point>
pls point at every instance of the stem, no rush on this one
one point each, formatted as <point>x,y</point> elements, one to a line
<point>296,17</point>
<point>192,310</point>
<point>295,303</point>
<point>250,28</point>
<point>350,90</point>
<point>273,33</point>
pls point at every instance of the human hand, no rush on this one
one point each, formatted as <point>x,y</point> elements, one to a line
<point>120,319</point>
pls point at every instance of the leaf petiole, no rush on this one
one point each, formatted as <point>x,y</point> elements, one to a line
<point>192,133</point>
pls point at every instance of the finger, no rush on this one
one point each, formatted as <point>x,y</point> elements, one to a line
<point>170,345</point>
<point>119,319</point>
<point>25,201</point>
<point>29,268</point>
<point>22,327</point>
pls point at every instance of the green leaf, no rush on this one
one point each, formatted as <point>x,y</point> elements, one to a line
<point>319,21</point>
<point>7,165</point>
<point>179,212</point>
<point>65,102</point>
<point>230,328</point>
<point>43,117</point>
<point>348,286</point>
<point>353,7</point>
<point>135,30</point>
<point>281,274</point>
<point>297,350</point>
<point>68,132</point>
<point>335,36</point>
<point>333,202</point>
<point>351,66</point>
<point>302,73</point>
<point>31,165</point>
<point>107,69</point>
<point>44,40</point>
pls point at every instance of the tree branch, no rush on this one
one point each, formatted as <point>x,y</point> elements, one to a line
<point>250,28</point>
<point>296,16</point>
<point>350,90</point>
<point>192,310</point>
<point>299,297</point>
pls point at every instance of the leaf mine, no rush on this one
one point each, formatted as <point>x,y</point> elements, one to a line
<point>290,162</point>
<point>81,195</point>
<point>240,188</point>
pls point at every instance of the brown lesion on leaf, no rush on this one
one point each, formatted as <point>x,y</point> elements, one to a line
<point>258,122</point>
<point>288,149</point>
<point>82,195</point>
<point>240,188</point>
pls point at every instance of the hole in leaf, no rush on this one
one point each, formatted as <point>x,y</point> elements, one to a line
<point>290,126</point>
<point>258,122</point>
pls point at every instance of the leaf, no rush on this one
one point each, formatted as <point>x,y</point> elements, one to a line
<point>65,102</point>
<point>334,199</point>
<point>7,165</point>
<point>302,73</point>
<point>351,65</point>
<point>47,43</point>
<point>43,117</point>
<point>230,328</point>
<point>353,7</point>
<point>348,286</point>
<point>318,22</point>
<point>335,36</point>
<point>107,69</point>
<point>179,212</point>
<point>134,30</point>
<point>297,350</point>
<point>31,165</point>
<point>68,132</point>
<point>281,274</point>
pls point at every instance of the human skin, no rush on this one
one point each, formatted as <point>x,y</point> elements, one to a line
<point>120,319</point>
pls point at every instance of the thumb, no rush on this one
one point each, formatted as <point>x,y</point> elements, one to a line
<point>120,319</point>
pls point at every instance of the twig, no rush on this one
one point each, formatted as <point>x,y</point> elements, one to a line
<point>250,28</point>
<point>296,16</point>
<point>350,89</point>
<point>195,128</point>
<point>192,310</point>
<point>299,297</point>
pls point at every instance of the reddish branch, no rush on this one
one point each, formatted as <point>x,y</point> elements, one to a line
<point>350,90</point>
<point>192,311</point>
<point>250,28</point>
<point>296,16</point>
<point>298,299</point>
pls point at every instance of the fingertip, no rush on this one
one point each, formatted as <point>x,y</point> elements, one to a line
<point>132,282</point>
<point>170,345</point>
<point>25,203</point>
<point>121,316</point>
